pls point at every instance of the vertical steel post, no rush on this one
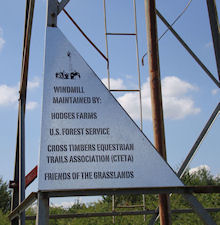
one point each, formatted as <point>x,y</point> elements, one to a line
<point>15,192</point>
<point>21,157</point>
<point>138,65</point>
<point>113,208</point>
<point>43,200</point>
<point>43,209</point>
<point>106,42</point>
<point>213,19</point>
<point>52,11</point>
<point>156,99</point>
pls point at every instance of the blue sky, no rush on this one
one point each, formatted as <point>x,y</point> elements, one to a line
<point>189,95</point>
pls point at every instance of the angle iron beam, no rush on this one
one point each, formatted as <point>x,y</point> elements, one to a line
<point>27,202</point>
<point>43,200</point>
<point>47,194</point>
<point>132,34</point>
<point>31,176</point>
<point>198,208</point>
<point>61,5</point>
<point>14,202</point>
<point>124,213</point>
<point>21,183</point>
<point>26,50</point>
<point>188,49</point>
<point>52,11</point>
<point>22,103</point>
<point>149,190</point>
<point>26,44</point>
<point>214,23</point>
<point>42,209</point>
<point>106,43</point>
<point>26,22</point>
<point>15,192</point>
<point>134,90</point>
<point>83,33</point>
<point>198,141</point>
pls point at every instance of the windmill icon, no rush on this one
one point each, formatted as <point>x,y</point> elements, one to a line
<point>73,74</point>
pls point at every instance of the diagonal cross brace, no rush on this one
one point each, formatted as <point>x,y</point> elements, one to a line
<point>61,5</point>
<point>188,49</point>
<point>190,198</point>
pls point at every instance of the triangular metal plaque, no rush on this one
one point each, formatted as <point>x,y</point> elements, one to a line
<point>88,141</point>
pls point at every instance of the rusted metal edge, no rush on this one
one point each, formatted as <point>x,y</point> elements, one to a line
<point>156,99</point>
<point>16,195</point>
<point>26,48</point>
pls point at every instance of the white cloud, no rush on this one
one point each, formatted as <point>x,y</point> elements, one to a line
<point>67,205</point>
<point>177,105</point>
<point>31,105</point>
<point>2,41</point>
<point>8,95</point>
<point>174,86</point>
<point>114,83</point>
<point>87,200</point>
<point>196,169</point>
<point>34,84</point>
<point>217,176</point>
<point>215,91</point>
<point>209,44</point>
<point>129,76</point>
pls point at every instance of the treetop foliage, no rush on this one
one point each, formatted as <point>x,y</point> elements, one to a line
<point>5,196</point>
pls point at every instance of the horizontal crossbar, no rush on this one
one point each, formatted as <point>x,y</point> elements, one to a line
<point>137,90</point>
<point>120,34</point>
<point>126,213</point>
<point>150,190</point>
<point>153,190</point>
<point>20,208</point>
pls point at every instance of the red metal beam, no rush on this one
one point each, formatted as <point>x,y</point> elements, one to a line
<point>30,177</point>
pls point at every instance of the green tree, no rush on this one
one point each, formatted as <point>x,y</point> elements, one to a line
<point>5,196</point>
<point>3,218</point>
<point>200,177</point>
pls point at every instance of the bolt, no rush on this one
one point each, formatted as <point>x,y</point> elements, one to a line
<point>68,53</point>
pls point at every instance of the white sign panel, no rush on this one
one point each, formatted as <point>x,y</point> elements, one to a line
<point>88,141</point>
